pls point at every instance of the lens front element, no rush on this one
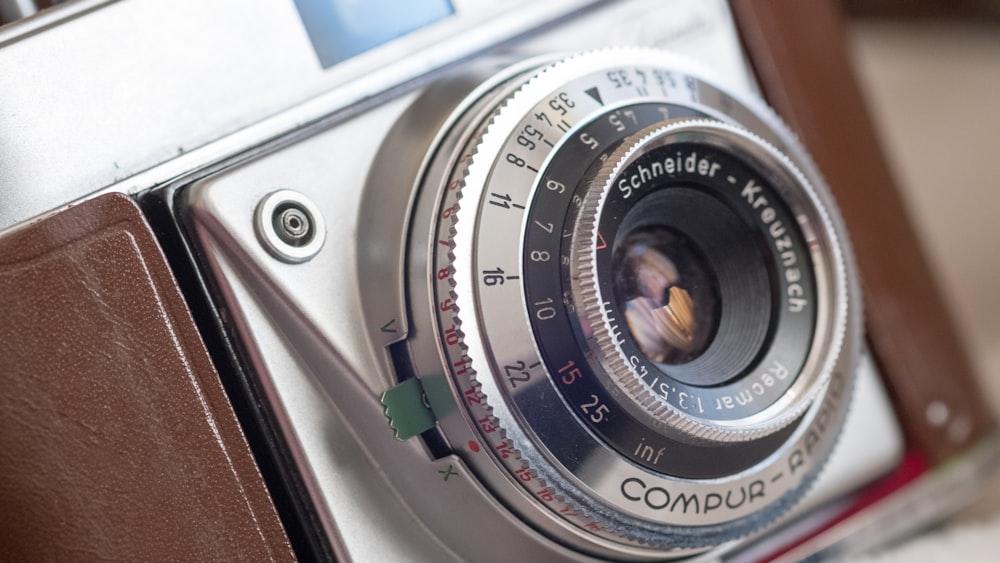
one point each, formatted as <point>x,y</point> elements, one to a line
<point>668,292</point>
<point>733,282</point>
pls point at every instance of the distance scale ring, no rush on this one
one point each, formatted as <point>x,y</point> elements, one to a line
<point>503,362</point>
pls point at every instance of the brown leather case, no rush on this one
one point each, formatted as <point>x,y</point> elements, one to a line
<point>799,52</point>
<point>116,439</point>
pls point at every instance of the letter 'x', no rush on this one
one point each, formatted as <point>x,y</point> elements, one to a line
<point>448,472</point>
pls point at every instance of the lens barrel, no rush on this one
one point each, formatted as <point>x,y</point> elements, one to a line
<point>642,301</point>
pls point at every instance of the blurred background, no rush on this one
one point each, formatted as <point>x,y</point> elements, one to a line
<point>933,87</point>
<point>931,74</point>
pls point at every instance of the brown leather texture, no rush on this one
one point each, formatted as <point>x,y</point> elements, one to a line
<point>799,52</point>
<point>117,441</point>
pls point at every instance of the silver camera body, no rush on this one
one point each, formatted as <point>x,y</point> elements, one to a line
<point>332,203</point>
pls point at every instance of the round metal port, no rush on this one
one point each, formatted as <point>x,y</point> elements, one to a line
<point>290,226</point>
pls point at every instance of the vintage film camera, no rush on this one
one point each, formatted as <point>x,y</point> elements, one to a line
<point>482,281</point>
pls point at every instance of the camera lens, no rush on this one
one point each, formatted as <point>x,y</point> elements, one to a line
<point>640,300</point>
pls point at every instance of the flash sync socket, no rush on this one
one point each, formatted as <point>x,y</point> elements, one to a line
<point>289,226</point>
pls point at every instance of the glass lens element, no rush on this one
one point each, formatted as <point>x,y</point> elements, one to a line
<point>669,294</point>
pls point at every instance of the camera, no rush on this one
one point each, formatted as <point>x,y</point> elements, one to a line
<point>494,280</point>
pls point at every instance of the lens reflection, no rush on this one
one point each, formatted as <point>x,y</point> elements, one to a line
<point>668,293</point>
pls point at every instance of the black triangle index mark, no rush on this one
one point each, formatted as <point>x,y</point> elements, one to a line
<point>594,93</point>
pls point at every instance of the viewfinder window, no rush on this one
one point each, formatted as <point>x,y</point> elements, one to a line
<point>341,29</point>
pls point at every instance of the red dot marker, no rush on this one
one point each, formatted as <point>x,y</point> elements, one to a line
<point>474,446</point>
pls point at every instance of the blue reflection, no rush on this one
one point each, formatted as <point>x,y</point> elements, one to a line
<point>341,29</point>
